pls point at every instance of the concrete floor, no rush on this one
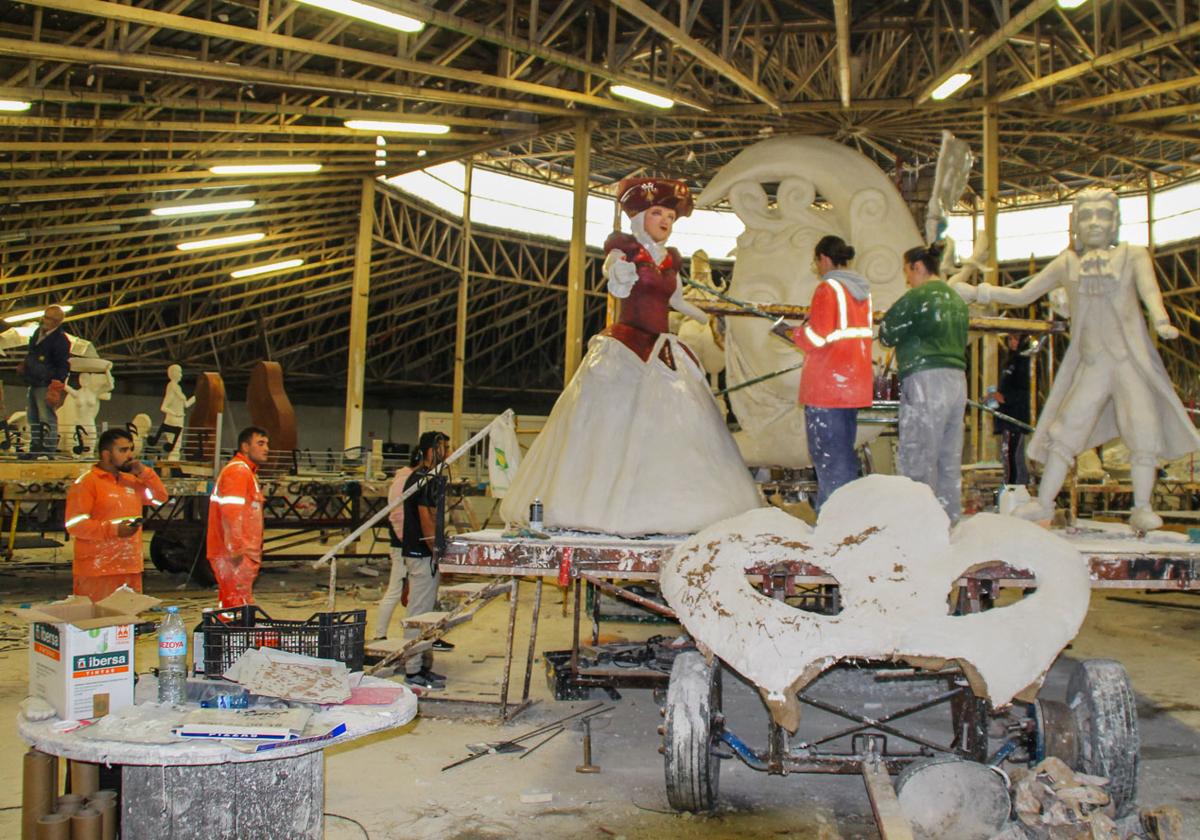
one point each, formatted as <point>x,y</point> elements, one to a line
<point>393,786</point>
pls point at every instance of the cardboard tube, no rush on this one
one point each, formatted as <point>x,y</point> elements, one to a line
<point>85,777</point>
<point>37,791</point>
<point>85,824</point>
<point>108,818</point>
<point>69,803</point>
<point>101,795</point>
<point>54,827</point>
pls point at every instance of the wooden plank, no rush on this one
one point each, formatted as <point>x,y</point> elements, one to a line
<point>890,820</point>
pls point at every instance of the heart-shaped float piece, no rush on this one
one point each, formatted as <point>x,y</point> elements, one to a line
<point>889,544</point>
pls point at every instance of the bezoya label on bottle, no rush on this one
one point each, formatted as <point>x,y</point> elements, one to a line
<point>172,643</point>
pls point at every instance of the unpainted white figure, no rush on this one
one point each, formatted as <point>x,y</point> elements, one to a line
<point>18,431</point>
<point>82,404</point>
<point>774,254</point>
<point>139,427</point>
<point>1111,381</point>
<point>174,405</point>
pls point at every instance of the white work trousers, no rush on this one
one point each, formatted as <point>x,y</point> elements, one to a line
<point>931,433</point>
<point>422,598</point>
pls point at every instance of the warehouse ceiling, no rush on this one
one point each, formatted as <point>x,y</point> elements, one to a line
<point>133,102</point>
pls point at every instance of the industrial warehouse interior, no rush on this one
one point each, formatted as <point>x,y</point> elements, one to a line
<point>599,418</point>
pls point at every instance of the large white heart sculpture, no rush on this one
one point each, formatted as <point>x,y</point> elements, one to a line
<point>889,544</point>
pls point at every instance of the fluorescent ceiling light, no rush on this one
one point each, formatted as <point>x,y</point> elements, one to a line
<point>265,169</point>
<point>950,86</point>
<point>209,207</point>
<point>15,105</point>
<point>235,239</point>
<point>371,14</point>
<point>387,127</point>
<point>421,153</point>
<point>381,163</point>
<point>643,96</point>
<point>380,141</point>
<point>266,268</point>
<point>1070,4</point>
<point>29,316</point>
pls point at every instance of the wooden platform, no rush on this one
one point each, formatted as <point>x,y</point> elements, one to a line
<point>1117,561</point>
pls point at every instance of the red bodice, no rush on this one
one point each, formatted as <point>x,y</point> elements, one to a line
<point>647,306</point>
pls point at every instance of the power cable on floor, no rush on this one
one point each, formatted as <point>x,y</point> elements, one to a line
<point>361,827</point>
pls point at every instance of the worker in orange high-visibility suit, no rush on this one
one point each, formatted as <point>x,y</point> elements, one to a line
<point>235,520</point>
<point>104,515</point>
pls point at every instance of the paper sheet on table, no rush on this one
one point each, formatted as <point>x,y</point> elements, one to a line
<point>290,676</point>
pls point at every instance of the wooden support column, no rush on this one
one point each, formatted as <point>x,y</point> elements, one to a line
<point>578,253</point>
<point>989,372</point>
<point>360,293</point>
<point>460,323</point>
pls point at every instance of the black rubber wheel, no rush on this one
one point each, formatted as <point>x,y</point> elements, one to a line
<point>1104,710</point>
<point>693,720</point>
<point>179,551</point>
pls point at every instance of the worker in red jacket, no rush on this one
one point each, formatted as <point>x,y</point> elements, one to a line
<point>837,379</point>
<point>235,520</point>
<point>104,517</point>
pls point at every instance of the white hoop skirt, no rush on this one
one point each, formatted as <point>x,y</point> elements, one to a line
<point>633,448</point>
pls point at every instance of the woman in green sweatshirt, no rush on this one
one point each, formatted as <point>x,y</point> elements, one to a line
<point>928,328</point>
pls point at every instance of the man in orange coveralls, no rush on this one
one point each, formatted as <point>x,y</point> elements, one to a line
<point>235,520</point>
<point>104,516</point>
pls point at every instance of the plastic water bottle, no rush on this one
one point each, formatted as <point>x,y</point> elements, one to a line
<point>172,659</point>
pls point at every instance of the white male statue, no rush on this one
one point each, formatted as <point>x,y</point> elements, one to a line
<point>1111,381</point>
<point>173,406</point>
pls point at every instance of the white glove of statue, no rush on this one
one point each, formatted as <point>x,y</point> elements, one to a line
<point>1165,330</point>
<point>620,273</point>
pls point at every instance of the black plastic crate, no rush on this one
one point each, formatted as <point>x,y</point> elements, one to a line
<point>228,633</point>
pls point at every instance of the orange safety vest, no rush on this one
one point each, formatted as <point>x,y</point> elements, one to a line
<point>837,342</point>
<point>235,512</point>
<point>97,503</point>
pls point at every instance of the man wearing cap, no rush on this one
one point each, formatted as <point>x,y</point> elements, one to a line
<point>104,518</point>
<point>45,369</point>
<point>424,541</point>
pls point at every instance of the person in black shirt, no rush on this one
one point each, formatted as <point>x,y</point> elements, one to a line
<point>1013,396</point>
<point>45,368</point>
<point>424,540</point>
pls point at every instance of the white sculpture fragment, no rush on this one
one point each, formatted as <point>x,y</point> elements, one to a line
<point>707,341</point>
<point>888,543</point>
<point>82,404</point>
<point>174,404</point>
<point>1111,381</point>
<point>139,427</point>
<point>774,254</point>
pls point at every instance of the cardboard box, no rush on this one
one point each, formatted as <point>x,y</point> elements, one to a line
<point>81,653</point>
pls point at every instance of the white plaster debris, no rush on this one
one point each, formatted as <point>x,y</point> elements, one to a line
<point>889,545</point>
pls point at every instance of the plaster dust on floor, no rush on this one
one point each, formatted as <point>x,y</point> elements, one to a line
<point>393,785</point>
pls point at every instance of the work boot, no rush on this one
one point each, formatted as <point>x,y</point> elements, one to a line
<point>1143,519</point>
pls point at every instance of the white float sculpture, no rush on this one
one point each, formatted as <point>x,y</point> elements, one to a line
<point>890,546</point>
<point>174,404</point>
<point>774,255</point>
<point>1111,381</point>
<point>82,404</point>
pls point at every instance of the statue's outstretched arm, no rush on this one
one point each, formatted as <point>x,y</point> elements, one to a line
<point>680,304</point>
<point>1148,291</point>
<point>1046,280</point>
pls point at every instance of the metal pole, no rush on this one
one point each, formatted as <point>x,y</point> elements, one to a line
<point>360,292</point>
<point>508,646</point>
<point>533,628</point>
<point>460,324</point>
<point>578,253</point>
<point>990,370</point>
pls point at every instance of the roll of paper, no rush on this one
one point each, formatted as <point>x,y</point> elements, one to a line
<point>85,777</point>
<point>108,817</point>
<point>85,824</point>
<point>54,827</point>
<point>69,803</point>
<point>38,790</point>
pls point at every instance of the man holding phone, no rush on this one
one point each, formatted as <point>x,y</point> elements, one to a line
<point>104,517</point>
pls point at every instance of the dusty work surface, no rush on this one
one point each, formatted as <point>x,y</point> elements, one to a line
<point>393,786</point>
